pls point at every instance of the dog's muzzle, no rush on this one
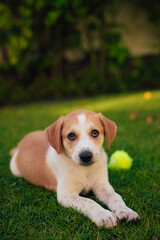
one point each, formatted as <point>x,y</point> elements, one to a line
<point>86,158</point>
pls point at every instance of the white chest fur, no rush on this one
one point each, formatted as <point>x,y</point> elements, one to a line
<point>81,178</point>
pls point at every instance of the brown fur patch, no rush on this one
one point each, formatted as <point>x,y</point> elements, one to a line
<point>31,160</point>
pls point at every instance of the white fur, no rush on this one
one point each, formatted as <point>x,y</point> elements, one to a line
<point>13,166</point>
<point>81,120</point>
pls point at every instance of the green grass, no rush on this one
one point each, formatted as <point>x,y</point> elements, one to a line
<point>30,212</point>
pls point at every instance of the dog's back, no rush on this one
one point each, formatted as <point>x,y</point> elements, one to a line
<point>28,160</point>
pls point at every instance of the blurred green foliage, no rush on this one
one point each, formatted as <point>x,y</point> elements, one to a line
<point>34,36</point>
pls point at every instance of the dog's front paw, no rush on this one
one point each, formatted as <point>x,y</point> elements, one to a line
<point>105,218</point>
<point>127,215</point>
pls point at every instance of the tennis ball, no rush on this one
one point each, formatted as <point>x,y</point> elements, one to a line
<point>120,160</point>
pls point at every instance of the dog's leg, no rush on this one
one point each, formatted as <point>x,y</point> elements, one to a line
<point>99,215</point>
<point>115,203</point>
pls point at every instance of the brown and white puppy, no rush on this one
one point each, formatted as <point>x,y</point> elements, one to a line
<point>68,157</point>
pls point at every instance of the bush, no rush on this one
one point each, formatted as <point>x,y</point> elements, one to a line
<point>35,36</point>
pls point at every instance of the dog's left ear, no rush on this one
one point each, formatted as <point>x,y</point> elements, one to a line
<point>53,134</point>
<point>110,128</point>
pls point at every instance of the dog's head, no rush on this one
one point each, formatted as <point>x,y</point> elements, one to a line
<point>80,135</point>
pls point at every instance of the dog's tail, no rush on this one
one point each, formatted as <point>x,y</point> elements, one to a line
<point>13,166</point>
<point>12,151</point>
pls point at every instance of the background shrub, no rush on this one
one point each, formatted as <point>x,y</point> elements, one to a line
<point>34,39</point>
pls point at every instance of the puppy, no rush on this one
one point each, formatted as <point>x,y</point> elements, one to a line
<point>68,157</point>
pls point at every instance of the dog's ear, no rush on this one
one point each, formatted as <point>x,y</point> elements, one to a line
<point>110,128</point>
<point>54,136</point>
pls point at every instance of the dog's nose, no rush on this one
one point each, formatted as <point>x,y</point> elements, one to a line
<point>85,156</point>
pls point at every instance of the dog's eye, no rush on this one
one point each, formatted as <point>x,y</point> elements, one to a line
<point>95,133</point>
<point>71,136</point>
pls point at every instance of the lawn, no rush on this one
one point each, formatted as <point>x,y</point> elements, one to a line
<point>30,212</point>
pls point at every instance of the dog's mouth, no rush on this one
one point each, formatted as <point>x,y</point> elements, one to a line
<point>86,164</point>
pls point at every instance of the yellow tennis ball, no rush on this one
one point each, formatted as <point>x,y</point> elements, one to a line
<point>120,160</point>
